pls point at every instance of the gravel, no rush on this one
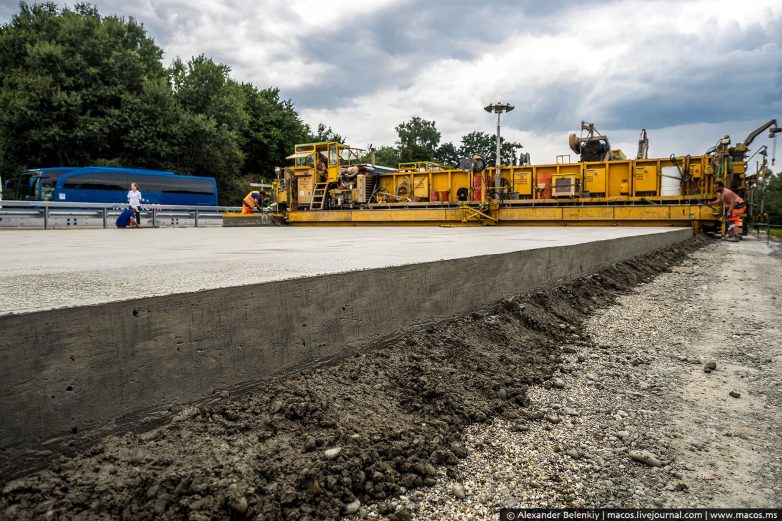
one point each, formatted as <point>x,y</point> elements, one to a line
<point>652,429</point>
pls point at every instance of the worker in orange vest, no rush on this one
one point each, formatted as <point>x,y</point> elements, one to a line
<point>252,201</point>
<point>734,208</point>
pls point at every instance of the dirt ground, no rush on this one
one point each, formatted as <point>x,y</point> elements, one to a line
<point>640,386</point>
<point>382,433</point>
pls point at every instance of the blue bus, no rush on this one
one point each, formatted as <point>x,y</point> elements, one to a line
<point>97,184</point>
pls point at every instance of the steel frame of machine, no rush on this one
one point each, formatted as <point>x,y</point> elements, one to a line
<point>625,192</point>
<point>614,191</point>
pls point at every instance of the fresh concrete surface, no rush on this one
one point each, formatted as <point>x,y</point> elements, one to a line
<point>61,268</point>
<point>82,369</point>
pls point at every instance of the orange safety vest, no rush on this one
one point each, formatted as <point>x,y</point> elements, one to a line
<point>252,202</point>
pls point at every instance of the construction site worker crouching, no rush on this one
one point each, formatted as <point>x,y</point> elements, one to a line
<point>733,206</point>
<point>254,200</point>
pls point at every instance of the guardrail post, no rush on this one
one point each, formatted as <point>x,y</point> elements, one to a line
<point>105,217</point>
<point>45,217</point>
<point>154,217</point>
<point>196,218</point>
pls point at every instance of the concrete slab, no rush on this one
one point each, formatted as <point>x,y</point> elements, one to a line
<point>78,370</point>
<point>63,268</point>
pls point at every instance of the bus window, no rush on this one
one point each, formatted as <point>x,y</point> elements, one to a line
<point>97,181</point>
<point>28,187</point>
<point>177,185</point>
<point>48,182</point>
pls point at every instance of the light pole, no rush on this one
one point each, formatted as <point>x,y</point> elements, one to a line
<point>498,108</point>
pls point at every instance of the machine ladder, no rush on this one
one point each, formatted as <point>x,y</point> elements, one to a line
<point>319,196</point>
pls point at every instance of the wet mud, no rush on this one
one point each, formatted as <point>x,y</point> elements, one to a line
<point>318,444</point>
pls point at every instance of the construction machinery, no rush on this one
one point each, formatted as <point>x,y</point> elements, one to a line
<point>327,183</point>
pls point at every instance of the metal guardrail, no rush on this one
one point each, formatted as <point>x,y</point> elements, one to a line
<point>18,211</point>
<point>768,228</point>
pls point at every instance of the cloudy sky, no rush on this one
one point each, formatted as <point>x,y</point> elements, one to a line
<point>689,72</point>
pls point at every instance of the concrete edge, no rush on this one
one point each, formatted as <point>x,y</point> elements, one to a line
<point>69,373</point>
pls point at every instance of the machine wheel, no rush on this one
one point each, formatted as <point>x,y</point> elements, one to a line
<point>462,194</point>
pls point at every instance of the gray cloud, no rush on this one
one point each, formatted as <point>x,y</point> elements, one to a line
<point>415,34</point>
<point>621,64</point>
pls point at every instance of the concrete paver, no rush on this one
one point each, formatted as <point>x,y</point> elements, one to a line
<point>62,268</point>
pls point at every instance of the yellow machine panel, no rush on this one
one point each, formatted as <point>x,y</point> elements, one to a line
<point>305,189</point>
<point>595,179</point>
<point>421,186</point>
<point>522,181</point>
<point>596,213</point>
<point>573,169</point>
<point>645,180</point>
<point>441,183</point>
<point>618,179</point>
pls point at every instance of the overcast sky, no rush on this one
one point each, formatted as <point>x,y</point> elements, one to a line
<point>688,72</point>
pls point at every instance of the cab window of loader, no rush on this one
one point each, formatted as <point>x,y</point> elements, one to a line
<point>307,160</point>
<point>347,157</point>
<point>332,155</point>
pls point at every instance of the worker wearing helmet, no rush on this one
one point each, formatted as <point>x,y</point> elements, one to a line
<point>252,201</point>
<point>733,206</point>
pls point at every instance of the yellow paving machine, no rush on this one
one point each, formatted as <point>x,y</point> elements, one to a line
<point>331,184</point>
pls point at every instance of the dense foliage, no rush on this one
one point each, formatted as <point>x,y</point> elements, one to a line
<point>419,140</point>
<point>773,199</point>
<point>79,88</point>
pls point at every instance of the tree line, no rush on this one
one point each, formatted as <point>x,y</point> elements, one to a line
<point>78,88</point>
<point>772,195</point>
<point>419,140</point>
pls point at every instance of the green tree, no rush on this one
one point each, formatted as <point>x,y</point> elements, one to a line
<point>418,140</point>
<point>447,154</point>
<point>773,198</point>
<point>387,156</point>
<point>325,134</point>
<point>486,145</point>
<point>76,87</point>
<point>212,124</point>
<point>479,143</point>
<point>274,129</point>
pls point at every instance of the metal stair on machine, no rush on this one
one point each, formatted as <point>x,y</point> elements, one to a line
<point>319,196</point>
